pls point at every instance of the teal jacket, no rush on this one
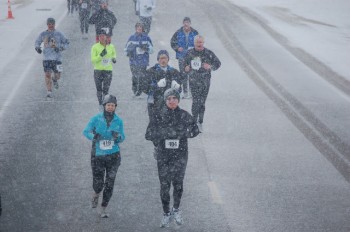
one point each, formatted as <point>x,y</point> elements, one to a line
<point>106,145</point>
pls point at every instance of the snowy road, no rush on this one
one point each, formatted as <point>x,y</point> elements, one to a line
<point>274,155</point>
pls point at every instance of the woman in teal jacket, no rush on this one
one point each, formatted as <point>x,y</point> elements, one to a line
<point>106,131</point>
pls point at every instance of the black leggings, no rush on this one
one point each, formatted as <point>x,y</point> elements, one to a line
<point>84,21</point>
<point>171,170</point>
<point>199,90</point>
<point>103,81</point>
<point>104,171</point>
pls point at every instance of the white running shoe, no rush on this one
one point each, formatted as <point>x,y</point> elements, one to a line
<point>94,201</point>
<point>165,222</point>
<point>49,94</point>
<point>103,213</point>
<point>177,216</point>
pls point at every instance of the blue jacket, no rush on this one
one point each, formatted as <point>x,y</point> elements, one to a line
<point>179,40</point>
<point>138,48</point>
<point>106,145</point>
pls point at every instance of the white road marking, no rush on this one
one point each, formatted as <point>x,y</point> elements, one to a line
<point>215,193</point>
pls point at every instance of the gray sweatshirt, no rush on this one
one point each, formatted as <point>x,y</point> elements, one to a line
<point>50,38</point>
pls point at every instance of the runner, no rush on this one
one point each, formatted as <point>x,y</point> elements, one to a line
<point>181,42</point>
<point>138,48</point>
<point>102,57</point>
<point>104,20</point>
<point>106,131</point>
<point>169,131</point>
<point>199,62</point>
<point>84,15</point>
<point>144,8</point>
<point>54,43</point>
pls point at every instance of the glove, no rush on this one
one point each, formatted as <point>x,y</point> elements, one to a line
<point>149,8</point>
<point>97,137</point>
<point>162,83</point>
<point>57,49</point>
<point>38,50</point>
<point>114,60</point>
<point>104,52</point>
<point>175,85</point>
<point>115,135</point>
<point>144,47</point>
<point>137,13</point>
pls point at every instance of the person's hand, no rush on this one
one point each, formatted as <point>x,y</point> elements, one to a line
<point>38,50</point>
<point>187,68</point>
<point>162,83</point>
<point>56,49</point>
<point>137,13</point>
<point>115,134</point>
<point>180,49</point>
<point>175,85</point>
<point>149,8</point>
<point>206,66</point>
<point>104,52</point>
<point>114,60</point>
<point>97,137</point>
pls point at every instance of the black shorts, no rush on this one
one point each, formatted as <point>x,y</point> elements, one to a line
<point>51,66</point>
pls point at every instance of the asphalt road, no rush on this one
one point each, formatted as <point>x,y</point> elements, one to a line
<point>274,155</point>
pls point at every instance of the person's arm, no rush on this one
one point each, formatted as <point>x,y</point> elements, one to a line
<point>174,42</point>
<point>88,132</point>
<point>95,55</point>
<point>214,62</point>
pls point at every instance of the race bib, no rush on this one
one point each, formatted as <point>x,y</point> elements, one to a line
<point>139,51</point>
<point>105,61</point>
<point>172,143</point>
<point>106,144</point>
<point>84,5</point>
<point>59,67</point>
<point>196,63</point>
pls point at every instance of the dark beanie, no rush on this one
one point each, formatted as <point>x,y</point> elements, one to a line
<point>50,20</point>
<point>187,19</point>
<point>171,92</point>
<point>163,52</point>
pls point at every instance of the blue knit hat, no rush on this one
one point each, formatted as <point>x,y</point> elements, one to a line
<point>162,52</point>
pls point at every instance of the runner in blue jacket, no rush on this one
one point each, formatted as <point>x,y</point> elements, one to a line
<point>106,131</point>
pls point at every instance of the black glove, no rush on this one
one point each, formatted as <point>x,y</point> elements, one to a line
<point>115,134</point>
<point>149,8</point>
<point>38,50</point>
<point>114,60</point>
<point>137,12</point>
<point>97,137</point>
<point>144,47</point>
<point>104,52</point>
<point>57,49</point>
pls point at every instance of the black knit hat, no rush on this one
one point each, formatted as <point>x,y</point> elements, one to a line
<point>171,92</point>
<point>50,21</point>
<point>186,19</point>
<point>162,52</point>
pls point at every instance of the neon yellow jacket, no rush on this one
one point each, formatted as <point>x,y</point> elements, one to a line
<point>105,62</point>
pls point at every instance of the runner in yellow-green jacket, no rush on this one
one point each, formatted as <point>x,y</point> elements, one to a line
<point>102,57</point>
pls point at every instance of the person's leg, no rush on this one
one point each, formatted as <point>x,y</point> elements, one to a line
<point>47,64</point>
<point>178,177</point>
<point>106,82</point>
<point>81,18</point>
<point>184,77</point>
<point>98,173</point>
<point>165,180</point>
<point>98,83</point>
<point>57,69</point>
<point>133,69</point>
<point>195,90</point>
<point>112,165</point>
<point>140,72</point>
<point>203,98</point>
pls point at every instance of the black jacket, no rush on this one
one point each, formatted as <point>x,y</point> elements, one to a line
<point>153,75</point>
<point>103,18</point>
<point>205,56</point>
<point>172,124</point>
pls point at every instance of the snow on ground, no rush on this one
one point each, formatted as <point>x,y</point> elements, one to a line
<point>320,27</point>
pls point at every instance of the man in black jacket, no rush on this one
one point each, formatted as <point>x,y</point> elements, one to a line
<point>169,131</point>
<point>199,62</point>
<point>104,20</point>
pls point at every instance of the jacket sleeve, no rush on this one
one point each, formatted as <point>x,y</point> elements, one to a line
<point>174,42</point>
<point>114,19</point>
<point>64,42</point>
<point>38,41</point>
<point>146,82</point>
<point>121,136</point>
<point>215,62</point>
<point>93,18</point>
<point>88,132</point>
<point>95,56</point>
